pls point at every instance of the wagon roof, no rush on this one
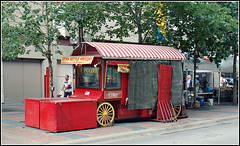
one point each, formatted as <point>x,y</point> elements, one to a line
<point>131,51</point>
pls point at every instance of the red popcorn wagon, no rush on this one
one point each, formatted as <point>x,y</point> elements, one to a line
<point>114,81</point>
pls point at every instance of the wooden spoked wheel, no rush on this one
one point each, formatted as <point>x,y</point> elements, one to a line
<point>177,110</point>
<point>105,114</point>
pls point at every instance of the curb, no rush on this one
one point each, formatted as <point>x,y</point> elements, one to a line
<point>198,124</point>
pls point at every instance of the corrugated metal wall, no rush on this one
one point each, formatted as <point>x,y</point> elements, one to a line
<point>22,79</point>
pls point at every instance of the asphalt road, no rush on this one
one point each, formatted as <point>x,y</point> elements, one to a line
<point>223,133</point>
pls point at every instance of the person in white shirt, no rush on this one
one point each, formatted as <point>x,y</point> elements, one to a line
<point>67,86</point>
<point>223,81</point>
<point>189,81</point>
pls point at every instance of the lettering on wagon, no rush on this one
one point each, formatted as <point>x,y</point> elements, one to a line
<point>77,60</point>
<point>112,94</point>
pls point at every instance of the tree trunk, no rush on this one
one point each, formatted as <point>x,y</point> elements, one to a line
<point>50,70</point>
<point>194,73</point>
<point>51,78</point>
<point>140,39</point>
<point>234,77</point>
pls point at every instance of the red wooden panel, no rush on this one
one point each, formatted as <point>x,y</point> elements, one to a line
<point>32,113</point>
<point>164,90</point>
<point>80,93</point>
<point>123,112</point>
<point>124,87</point>
<point>48,116</point>
<point>68,114</point>
<point>147,112</point>
<point>164,84</point>
<point>47,83</point>
<point>45,87</point>
<point>76,115</point>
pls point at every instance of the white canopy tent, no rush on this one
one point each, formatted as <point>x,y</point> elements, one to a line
<point>202,66</point>
<point>227,65</point>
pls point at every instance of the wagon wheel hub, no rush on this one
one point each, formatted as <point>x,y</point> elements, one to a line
<point>105,114</point>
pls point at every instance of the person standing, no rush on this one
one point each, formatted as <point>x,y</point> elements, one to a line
<point>189,81</point>
<point>189,85</point>
<point>203,82</point>
<point>67,87</point>
<point>223,81</point>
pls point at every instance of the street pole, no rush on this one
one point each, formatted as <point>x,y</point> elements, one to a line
<point>80,30</point>
<point>219,88</point>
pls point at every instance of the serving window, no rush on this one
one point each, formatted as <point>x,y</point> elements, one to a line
<point>88,76</point>
<point>113,78</point>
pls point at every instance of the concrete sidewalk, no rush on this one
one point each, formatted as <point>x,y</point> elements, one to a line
<point>14,130</point>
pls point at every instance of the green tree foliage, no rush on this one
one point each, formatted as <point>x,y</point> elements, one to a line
<point>12,42</point>
<point>201,29</point>
<point>133,17</point>
<point>33,27</point>
<point>231,41</point>
<point>28,24</point>
<point>208,24</point>
<point>91,15</point>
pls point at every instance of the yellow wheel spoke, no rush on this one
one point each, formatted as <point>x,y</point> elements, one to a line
<point>104,122</point>
<point>110,118</point>
<point>101,108</point>
<point>110,111</point>
<point>100,120</point>
<point>99,115</point>
<point>109,108</point>
<point>105,105</point>
<point>100,112</point>
<point>177,110</point>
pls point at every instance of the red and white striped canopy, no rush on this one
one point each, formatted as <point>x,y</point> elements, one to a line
<point>136,51</point>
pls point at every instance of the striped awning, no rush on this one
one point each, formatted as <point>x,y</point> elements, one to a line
<point>136,51</point>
